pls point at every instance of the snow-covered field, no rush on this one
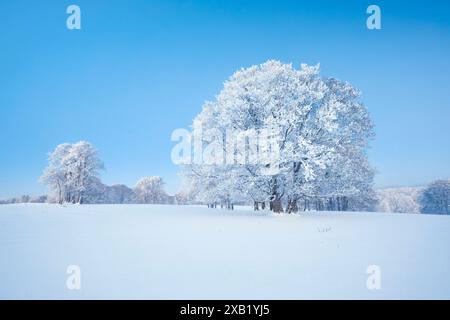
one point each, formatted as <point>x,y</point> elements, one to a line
<point>189,252</point>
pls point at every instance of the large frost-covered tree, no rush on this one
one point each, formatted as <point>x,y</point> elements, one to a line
<point>317,126</point>
<point>435,199</point>
<point>72,171</point>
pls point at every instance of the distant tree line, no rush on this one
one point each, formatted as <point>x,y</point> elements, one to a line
<point>73,177</point>
<point>26,199</point>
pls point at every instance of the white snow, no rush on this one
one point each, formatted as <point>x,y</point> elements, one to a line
<point>190,252</point>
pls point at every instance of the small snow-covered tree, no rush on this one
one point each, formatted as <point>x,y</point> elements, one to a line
<point>400,200</point>
<point>101,193</point>
<point>119,193</point>
<point>435,199</point>
<point>55,175</point>
<point>150,190</point>
<point>25,198</point>
<point>82,165</point>
<point>39,199</point>
<point>72,170</point>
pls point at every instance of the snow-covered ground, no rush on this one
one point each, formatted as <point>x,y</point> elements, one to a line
<point>189,252</point>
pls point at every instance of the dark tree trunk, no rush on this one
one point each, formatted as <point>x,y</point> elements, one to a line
<point>292,206</point>
<point>277,206</point>
<point>344,203</point>
<point>275,201</point>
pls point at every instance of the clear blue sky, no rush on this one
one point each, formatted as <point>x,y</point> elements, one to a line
<point>137,70</point>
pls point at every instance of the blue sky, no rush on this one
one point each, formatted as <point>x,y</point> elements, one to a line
<point>137,70</point>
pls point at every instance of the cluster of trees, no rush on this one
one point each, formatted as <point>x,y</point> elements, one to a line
<point>147,190</point>
<point>321,132</point>
<point>400,200</point>
<point>150,190</point>
<point>432,199</point>
<point>73,177</point>
<point>435,199</point>
<point>73,169</point>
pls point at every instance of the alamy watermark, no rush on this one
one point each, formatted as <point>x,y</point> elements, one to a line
<point>73,21</point>
<point>373,281</point>
<point>226,147</point>
<point>73,281</point>
<point>373,22</point>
